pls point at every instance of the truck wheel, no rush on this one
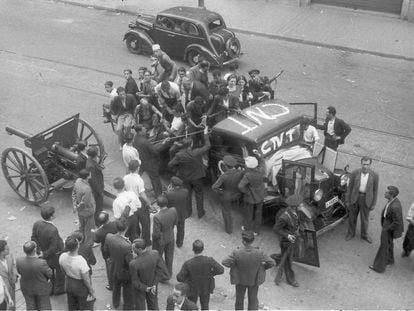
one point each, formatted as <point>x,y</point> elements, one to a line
<point>233,48</point>
<point>133,44</point>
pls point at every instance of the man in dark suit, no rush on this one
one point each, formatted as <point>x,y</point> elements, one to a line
<point>105,228</point>
<point>35,279</point>
<point>96,180</point>
<point>190,168</point>
<point>334,129</point>
<point>131,86</point>
<point>248,266</point>
<point>361,198</point>
<point>177,198</point>
<point>178,300</point>
<point>163,231</point>
<point>198,273</point>
<point>146,270</point>
<point>227,187</point>
<point>49,242</point>
<point>287,226</point>
<point>149,157</point>
<point>392,228</point>
<point>119,249</point>
<point>192,89</point>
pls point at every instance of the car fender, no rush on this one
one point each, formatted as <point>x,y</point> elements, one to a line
<point>141,35</point>
<point>211,57</point>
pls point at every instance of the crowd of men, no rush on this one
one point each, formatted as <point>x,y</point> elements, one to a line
<point>171,112</point>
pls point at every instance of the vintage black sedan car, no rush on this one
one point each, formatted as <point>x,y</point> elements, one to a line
<point>185,33</point>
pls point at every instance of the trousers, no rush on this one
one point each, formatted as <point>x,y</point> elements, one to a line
<point>287,267</point>
<point>152,171</point>
<point>166,250</point>
<point>37,302</point>
<point>253,214</point>
<point>204,300</point>
<point>197,186</point>
<point>85,225</point>
<point>359,208</point>
<point>252,300</point>
<point>385,254</point>
<point>140,298</point>
<point>145,222</point>
<point>180,232</point>
<point>126,287</point>
<point>77,294</point>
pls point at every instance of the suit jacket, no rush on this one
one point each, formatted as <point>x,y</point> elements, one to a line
<point>189,163</point>
<point>198,273</point>
<point>252,184</point>
<point>178,199</point>
<point>48,240</point>
<point>35,276</point>
<point>83,198</point>
<point>147,269</point>
<point>163,226</point>
<point>101,234</point>
<point>147,153</point>
<point>198,89</point>
<point>287,224</point>
<point>96,181</point>
<point>247,266</point>
<point>227,185</point>
<point>120,252</point>
<point>393,221</point>
<point>341,129</point>
<point>187,304</point>
<point>371,191</point>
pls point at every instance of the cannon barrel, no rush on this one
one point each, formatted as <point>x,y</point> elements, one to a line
<point>65,152</point>
<point>14,131</point>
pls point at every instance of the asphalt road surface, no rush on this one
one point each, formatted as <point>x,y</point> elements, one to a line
<point>55,59</point>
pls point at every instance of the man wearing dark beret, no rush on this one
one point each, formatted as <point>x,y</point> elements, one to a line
<point>248,267</point>
<point>392,228</point>
<point>287,226</point>
<point>226,187</point>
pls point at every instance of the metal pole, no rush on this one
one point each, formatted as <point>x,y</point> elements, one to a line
<point>201,4</point>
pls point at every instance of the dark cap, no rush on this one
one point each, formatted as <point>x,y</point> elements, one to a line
<point>331,110</point>
<point>248,236</point>
<point>294,200</point>
<point>175,181</point>
<point>252,71</point>
<point>229,160</point>
<point>393,190</point>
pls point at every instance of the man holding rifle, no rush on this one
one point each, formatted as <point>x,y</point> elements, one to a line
<point>287,226</point>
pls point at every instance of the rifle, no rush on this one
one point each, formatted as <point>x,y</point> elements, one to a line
<point>276,76</point>
<point>279,272</point>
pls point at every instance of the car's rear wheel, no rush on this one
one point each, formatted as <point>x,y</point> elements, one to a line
<point>134,44</point>
<point>192,57</point>
<point>233,47</point>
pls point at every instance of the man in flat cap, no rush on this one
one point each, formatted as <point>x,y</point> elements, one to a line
<point>168,65</point>
<point>248,267</point>
<point>334,129</point>
<point>287,226</point>
<point>177,196</point>
<point>392,228</point>
<point>254,192</point>
<point>226,187</point>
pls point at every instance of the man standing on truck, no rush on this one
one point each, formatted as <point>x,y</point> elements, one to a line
<point>169,66</point>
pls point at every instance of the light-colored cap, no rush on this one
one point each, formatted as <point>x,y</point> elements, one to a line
<point>156,47</point>
<point>251,162</point>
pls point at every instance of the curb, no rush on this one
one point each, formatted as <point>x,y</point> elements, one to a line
<point>261,34</point>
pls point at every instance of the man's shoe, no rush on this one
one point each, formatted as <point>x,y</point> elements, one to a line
<point>373,269</point>
<point>404,254</point>
<point>294,284</point>
<point>368,239</point>
<point>349,237</point>
<point>200,215</point>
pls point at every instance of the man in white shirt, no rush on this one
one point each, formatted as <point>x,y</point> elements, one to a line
<point>129,152</point>
<point>126,198</point>
<point>134,183</point>
<point>361,198</point>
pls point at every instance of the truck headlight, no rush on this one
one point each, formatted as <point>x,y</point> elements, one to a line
<point>317,196</point>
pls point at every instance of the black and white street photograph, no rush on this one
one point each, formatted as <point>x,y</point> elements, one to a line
<point>207,154</point>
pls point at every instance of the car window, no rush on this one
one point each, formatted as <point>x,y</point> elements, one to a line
<point>213,25</point>
<point>189,28</point>
<point>165,22</point>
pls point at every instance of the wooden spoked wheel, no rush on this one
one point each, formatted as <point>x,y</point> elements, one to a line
<point>88,134</point>
<point>25,175</point>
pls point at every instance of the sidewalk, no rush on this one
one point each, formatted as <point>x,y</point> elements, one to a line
<point>338,28</point>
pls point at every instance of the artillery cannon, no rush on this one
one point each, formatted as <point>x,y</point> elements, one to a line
<point>53,158</point>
